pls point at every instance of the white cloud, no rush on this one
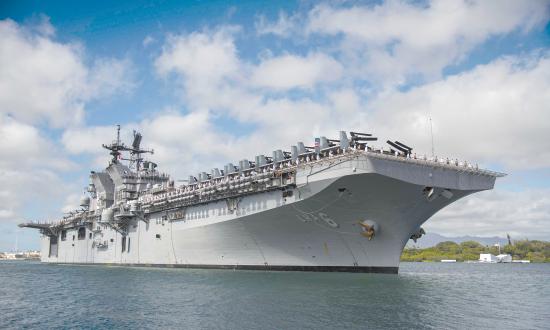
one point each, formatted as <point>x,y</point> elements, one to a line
<point>108,77</point>
<point>290,97</point>
<point>44,85</point>
<point>510,92</point>
<point>439,23</point>
<point>291,71</point>
<point>88,139</point>
<point>524,214</point>
<point>283,27</point>
<point>185,143</point>
<point>45,27</point>
<point>148,40</point>
<point>23,147</point>
<point>202,62</point>
<point>181,142</point>
<point>23,189</point>
<point>72,202</point>
<point>496,113</point>
<point>213,78</point>
<point>30,164</point>
<point>202,57</point>
<point>42,79</point>
<point>395,39</point>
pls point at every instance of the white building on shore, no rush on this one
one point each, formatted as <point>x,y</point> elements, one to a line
<point>491,258</point>
<point>504,258</point>
<point>488,258</point>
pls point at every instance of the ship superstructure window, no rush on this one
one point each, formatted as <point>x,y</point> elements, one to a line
<point>123,243</point>
<point>63,235</point>
<point>81,233</point>
<point>90,235</point>
<point>128,245</point>
<point>157,236</point>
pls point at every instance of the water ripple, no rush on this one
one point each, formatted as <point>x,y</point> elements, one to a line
<point>422,296</point>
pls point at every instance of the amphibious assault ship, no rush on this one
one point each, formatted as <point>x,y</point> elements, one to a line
<point>340,205</point>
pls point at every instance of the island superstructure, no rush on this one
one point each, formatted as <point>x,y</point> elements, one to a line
<point>340,205</point>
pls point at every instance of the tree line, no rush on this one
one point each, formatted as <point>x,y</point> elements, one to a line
<point>535,251</point>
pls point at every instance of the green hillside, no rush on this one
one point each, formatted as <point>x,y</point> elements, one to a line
<point>536,251</point>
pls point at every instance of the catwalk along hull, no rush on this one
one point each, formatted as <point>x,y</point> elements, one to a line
<point>318,226</point>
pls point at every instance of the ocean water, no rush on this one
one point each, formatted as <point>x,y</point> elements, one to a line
<point>422,296</point>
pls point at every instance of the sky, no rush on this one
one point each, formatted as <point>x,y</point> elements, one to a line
<point>209,82</point>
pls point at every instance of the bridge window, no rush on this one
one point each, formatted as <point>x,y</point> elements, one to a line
<point>81,233</point>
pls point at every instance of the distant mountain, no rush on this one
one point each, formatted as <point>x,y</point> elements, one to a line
<point>432,239</point>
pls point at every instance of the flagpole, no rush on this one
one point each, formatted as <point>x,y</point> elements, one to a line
<point>432,134</point>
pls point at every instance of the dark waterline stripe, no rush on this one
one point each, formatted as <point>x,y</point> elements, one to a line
<point>340,269</point>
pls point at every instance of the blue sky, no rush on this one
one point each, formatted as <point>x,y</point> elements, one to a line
<point>214,81</point>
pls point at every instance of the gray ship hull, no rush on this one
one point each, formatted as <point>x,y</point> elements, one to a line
<point>315,228</point>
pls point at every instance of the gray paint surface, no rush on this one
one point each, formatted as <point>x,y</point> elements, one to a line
<point>300,213</point>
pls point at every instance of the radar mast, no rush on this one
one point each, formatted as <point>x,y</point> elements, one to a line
<point>117,146</point>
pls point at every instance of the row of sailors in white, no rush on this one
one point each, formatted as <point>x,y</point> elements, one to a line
<point>240,177</point>
<point>212,186</point>
<point>447,161</point>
